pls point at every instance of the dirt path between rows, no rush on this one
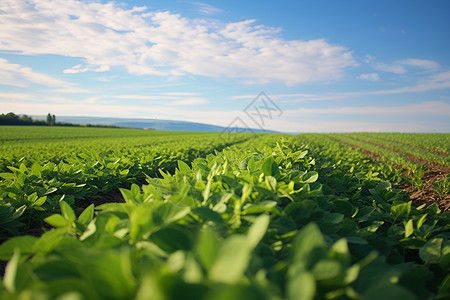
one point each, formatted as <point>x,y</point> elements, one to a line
<point>430,165</point>
<point>435,151</point>
<point>427,194</point>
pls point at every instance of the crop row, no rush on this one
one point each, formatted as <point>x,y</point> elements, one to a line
<point>32,185</point>
<point>264,219</point>
<point>415,151</point>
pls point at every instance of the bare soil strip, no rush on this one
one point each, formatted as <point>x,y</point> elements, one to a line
<point>435,151</point>
<point>428,164</point>
<point>426,195</point>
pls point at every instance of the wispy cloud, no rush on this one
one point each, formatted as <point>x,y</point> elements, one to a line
<point>434,82</point>
<point>16,96</point>
<point>206,9</point>
<point>161,43</point>
<point>399,66</point>
<point>369,76</point>
<point>80,69</point>
<point>397,69</point>
<point>430,108</point>
<point>189,101</point>
<point>420,63</point>
<point>20,76</point>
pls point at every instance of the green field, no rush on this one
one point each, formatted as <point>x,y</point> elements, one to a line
<point>223,216</point>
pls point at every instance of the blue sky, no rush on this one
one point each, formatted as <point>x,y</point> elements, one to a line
<point>324,65</point>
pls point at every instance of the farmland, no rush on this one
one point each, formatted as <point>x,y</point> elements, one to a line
<point>92,213</point>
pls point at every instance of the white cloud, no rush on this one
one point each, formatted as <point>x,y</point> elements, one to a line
<point>189,101</point>
<point>80,69</point>
<point>206,8</point>
<point>146,97</point>
<point>431,108</point>
<point>369,58</point>
<point>20,76</point>
<point>369,76</point>
<point>420,63</point>
<point>16,96</point>
<point>165,44</point>
<point>180,94</point>
<point>398,67</point>
<point>390,68</point>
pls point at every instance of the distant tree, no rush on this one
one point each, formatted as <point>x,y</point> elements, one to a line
<point>53,120</point>
<point>49,119</point>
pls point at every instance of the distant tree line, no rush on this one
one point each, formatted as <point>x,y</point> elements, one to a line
<point>13,119</point>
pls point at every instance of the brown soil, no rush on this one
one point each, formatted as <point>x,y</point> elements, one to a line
<point>426,195</point>
<point>432,166</point>
<point>435,151</point>
<point>112,197</point>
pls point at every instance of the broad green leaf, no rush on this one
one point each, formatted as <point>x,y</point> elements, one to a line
<point>67,211</point>
<point>430,253</point>
<point>168,213</point>
<point>207,247</point>
<point>301,287</point>
<point>208,214</point>
<point>310,177</point>
<point>309,247</point>
<point>50,190</point>
<point>9,280</point>
<point>8,176</point>
<point>327,269</point>
<point>56,221</point>
<point>232,260</point>
<point>183,167</point>
<point>87,215</point>
<point>23,243</point>
<point>401,210</point>
<point>409,228</point>
<point>171,239</point>
<point>257,230</point>
<point>271,183</point>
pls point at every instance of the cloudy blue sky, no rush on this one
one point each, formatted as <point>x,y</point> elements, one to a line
<point>325,65</point>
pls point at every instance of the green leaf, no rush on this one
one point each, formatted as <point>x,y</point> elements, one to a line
<point>232,260</point>
<point>208,214</point>
<point>327,269</point>
<point>50,190</point>
<point>87,215</point>
<point>309,247</point>
<point>40,201</point>
<point>271,183</point>
<point>170,213</point>
<point>8,176</point>
<point>56,221</point>
<point>67,211</point>
<point>23,243</point>
<point>301,287</point>
<point>309,177</point>
<point>258,229</point>
<point>9,280</point>
<point>207,248</point>
<point>409,228</point>
<point>184,167</point>
<point>171,239</point>
<point>269,167</point>
<point>401,210</point>
<point>430,253</point>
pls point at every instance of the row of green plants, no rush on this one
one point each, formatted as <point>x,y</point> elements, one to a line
<point>438,143</point>
<point>32,185</point>
<point>412,149</point>
<point>399,165</point>
<point>265,219</point>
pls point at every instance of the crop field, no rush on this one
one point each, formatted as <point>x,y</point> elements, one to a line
<point>103,213</point>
